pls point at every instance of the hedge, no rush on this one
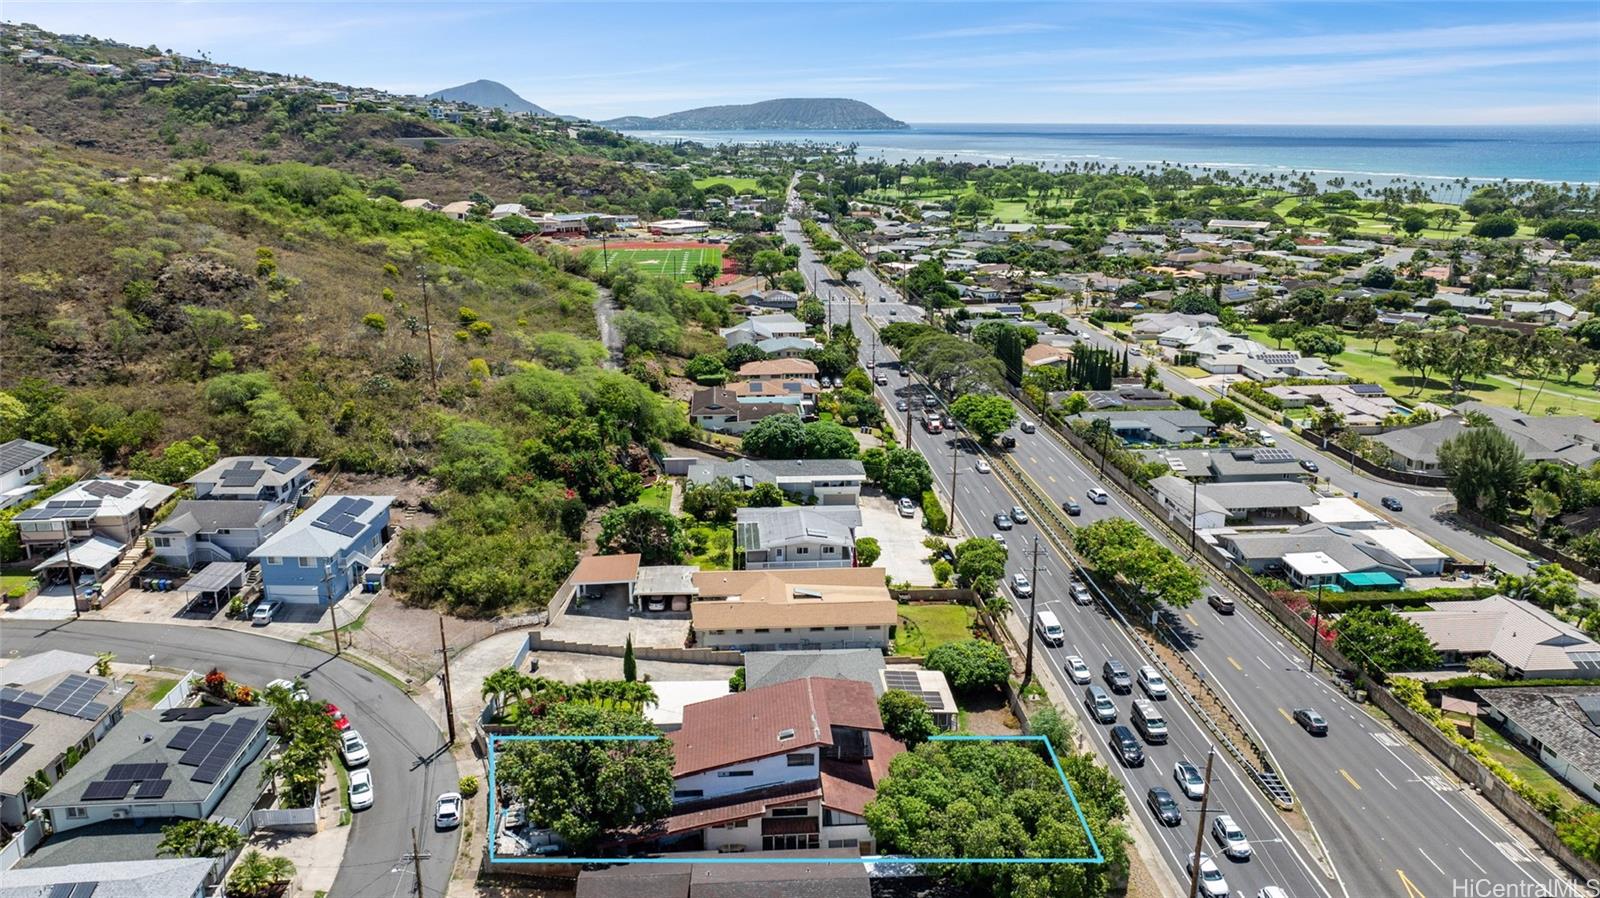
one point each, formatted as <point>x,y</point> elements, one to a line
<point>1341,601</point>
<point>933,516</point>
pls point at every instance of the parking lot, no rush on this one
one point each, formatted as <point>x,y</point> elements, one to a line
<point>904,556</point>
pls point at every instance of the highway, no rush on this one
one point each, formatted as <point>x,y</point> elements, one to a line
<point>1389,821</point>
<point>408,769</point>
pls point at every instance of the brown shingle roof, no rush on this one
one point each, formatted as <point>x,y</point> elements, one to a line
<point>745,726</point>
<point>606,569</point>
<point>779,368</point>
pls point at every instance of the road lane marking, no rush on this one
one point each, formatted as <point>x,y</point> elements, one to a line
<point>1391,785</point>
<point>1052,477</point>
<point>1286,715</point>
<point>1411,889</point>
<point>1033,461</point>
<point>1430,860</point>
<point>1237,667</point>
<point>1471,861</point>
<point>1349,779</point>
<point>1192,621</point>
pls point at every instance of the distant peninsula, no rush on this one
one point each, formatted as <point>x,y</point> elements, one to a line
<point>489,95</point>
<point>793,114</point>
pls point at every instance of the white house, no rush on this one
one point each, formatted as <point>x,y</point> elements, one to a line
<point>21,463</point>
<point>797,537</point>
<point>830,481</point>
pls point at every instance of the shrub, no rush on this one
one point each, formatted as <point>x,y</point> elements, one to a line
<point>468,786</point>
<point>933,515</point>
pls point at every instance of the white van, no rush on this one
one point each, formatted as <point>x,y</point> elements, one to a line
<point>1049,629</point>
<point>1147,719</point>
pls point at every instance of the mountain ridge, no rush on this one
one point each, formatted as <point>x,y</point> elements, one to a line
<point>490,95</point>
<point>784,114</point>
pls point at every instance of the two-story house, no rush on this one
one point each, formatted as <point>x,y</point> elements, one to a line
<point>256,478</point>
<point>797,537</point>
<point>321,555</point>
<point>720,411</point>
<point>109,512</point>
<point>21,463</point>
<point>829,481</point>
<point>200,531</point>
<point>53,707</point>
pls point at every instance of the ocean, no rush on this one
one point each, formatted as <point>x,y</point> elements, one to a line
<point>1383,154</point>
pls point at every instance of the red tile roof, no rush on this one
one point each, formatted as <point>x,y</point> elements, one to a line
<point>742,727</point>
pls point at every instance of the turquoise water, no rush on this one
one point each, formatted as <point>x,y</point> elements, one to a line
<point>1383,154</point>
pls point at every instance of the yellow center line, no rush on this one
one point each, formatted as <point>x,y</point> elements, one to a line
<point>1349,779</point>
<point>1411,889</point>
<point>1237,667</point>
<point>1192,621</point>
<point>1286,715</point>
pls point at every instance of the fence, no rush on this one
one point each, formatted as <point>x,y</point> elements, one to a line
<point>1524,541</point>
<point>1382,472</point>
<point>1492,788</point>
<point>538,642</point>
<point>179,693</point>
<point>24,842</point>
<point>936,596</point>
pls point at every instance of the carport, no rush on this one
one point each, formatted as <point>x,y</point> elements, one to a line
<point>96,555</point>
<point>597,573</point>
<point>214,582</point>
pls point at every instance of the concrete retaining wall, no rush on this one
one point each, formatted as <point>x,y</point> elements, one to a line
<point>538,642</point>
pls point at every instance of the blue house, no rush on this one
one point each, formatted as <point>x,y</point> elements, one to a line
<point>322,554</point>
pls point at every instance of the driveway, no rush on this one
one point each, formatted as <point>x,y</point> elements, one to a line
<point>607,621</point>
<point>904,557</point>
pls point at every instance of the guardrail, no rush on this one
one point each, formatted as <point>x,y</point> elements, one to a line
<point>1208,706</point>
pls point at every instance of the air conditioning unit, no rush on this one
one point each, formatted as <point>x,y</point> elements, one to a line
<point>119,814</point>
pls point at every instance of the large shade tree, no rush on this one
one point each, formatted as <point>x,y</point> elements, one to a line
<point>1485,470</point>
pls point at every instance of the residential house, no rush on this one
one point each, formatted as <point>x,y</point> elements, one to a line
<point>763,327</point>
<point>506,210</point>
<point>798,608</point>
<point>1210,506</point>
<point>21,463</point>
<point>1460,302</point>
<point>200,531</point>
<point>783,767</point>
<point>797,536</point>
<point>1529,641</point>
<point>1153,324</point>
<point>114,511</point>
<point>1231,225</point>
<point>799,395</point>
<point>1543,312</point>
<point>168,877</point>
<point>1251,463</point>
<point>718,410</point>
<point>1363,407</point>
<point>1560,725</point>
<point>788,347</point>
<point>1172,427</point>
<point>1121,398</point>
<point>255,478</point>
<point>1569,439</point>
<point>829,481</point>
<point>778,370</point>
<point>458,210</point>
<point>801,874</point>
<point>771,668</point>
<point>53,707</point>
<point>421,205</point>
<point>1314,554</point>
<point>322,554</point>
<point>1045,354</point>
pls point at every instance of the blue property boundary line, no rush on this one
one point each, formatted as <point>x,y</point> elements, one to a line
<point>755,857</point>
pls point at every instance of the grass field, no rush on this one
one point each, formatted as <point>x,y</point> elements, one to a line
<point>669,261</point>
<point>1535,773</point>
<point>658,496</point>
<point>739,185</point>
<point>925,627</point>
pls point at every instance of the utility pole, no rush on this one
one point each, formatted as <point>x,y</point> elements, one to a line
<point>427,325</point>
<point>449,704</point>
<point>1200,832</point>
<point>1033,606</point>
<point>1316,625</point>
<point>955,462</point>
<point>416,859</point>
<point>1194,514</point>
<point>333,609</point>
<point>906,367</point>
<point>605,252</point>
<point>72,576</point>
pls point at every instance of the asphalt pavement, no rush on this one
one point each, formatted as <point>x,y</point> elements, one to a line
<point>410,764</point>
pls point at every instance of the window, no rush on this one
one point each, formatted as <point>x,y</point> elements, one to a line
<point>818,629</point>
<point>831,817</point>
<point>841,628</point>
<point>77,813</point>
<point>827,550</point>
<point>734,824</point>
<point>798,811</point>
<point>308,562</point>
<point>274,560</point>
<point>802,550</point>
<point>843,843</point>
<point>801,760</point>
<point>736,773</point>
<point>788,843</point>
<point>763,630</point>
<point>681,794</point>
<point>163,542</point>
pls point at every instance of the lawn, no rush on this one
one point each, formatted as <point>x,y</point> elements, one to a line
<point>657,496</point>
<point>9,582</point>
<point>1504,751</point>
<point>711,547</point>
<point>740,185</point>
<point>148,689</point>
<point>668,261</point>
<point>924,627</point>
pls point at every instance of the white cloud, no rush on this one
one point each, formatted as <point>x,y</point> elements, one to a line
<point>986,31</point>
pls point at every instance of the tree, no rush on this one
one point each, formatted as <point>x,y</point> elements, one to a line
<point>985,414</point>
<point>473,456</point>
<point>769,263</point>
<point>585,788</point>
<point>716,501</point>
<point>906,717</point>
<point>704,273</point>
<point>651,532</point>
<point>1381,641</point>
<point>258,875</point>
<point>826,439</point>
<point>844,262</point>
<point>1074,403</point>
<point>1053,726</point>
<point>198,838</point>
<point>630,667</point>
<point>736,682</point>
<point>906,474</point>
<point>1282,330</point>
<point>980,563</point>
<point>707,368</point>
<point>1321,341</point>
<point>986,800</point>
<point>1580,830</point>
<point>1223,412</point>
<point>1485,470</point>
<point>1495,226</point>
<point>971,665</point>
<point>1550,586</point>
<point>1414,222</point>
<point>775,436</point>
<point>764,495</point>
<point>1542,506</point>
<point>867,551</point>
<point>1121,548</point>
<point>507,682</point>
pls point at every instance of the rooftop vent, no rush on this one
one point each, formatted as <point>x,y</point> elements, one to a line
<point>785,735</point>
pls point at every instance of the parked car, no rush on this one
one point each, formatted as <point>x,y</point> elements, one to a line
<point>1222,603</point>
<point>1116,676</point>
<point>1212,883</point>
<point>1309,465</point>
<point>353,749</point>
<point>1080,593</point>
<point>1125,746</point>
<point>1311,721</point>
<point>1098,496</point>
<point>447,811</point>
<point>360,789</point>
<point>1189,780</point>
<point>1072,508</point>
<point>982,467</point>
<point>1163,806</point>
<point>1021,586</point>
<point>297,691</point>
<point>1230,838</point>
<point>265,610</point>
<point>1392,503</point>
<point>340,720</point>
<point>1151,682</point>
<point>1018,514</point>
<point>907,508</point>
<point>1077,671</point>
<point>1099,704</point>
<point>1002,521</point>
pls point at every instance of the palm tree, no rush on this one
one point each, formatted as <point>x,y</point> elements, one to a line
<point>258,875</point>
<point>1542,506</point>
<point>198,838</point>
<point>502,683</point>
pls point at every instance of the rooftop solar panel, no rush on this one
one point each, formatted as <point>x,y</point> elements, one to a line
<point>136,771</point>
<point>1273,455</point>
<point>12,710</point>
<point>12,732</point>
<point>184,738</point>
<point>73,890</point>
<point>107,790</point>
<point>357,506</point>
<point>106,488</point>
<point>203,744</point>
<point>150,789</point>
<point>932,700</point>
<point>284,465</point>
<point>352,528</point>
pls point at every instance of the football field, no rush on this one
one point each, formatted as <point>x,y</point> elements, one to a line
<point>678,261</point>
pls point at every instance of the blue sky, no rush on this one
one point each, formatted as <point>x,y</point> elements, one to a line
<point>1394,62</point>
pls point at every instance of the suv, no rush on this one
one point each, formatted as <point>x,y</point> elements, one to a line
<point>1072,508</point>
<point>1222,603</point>
<point>1026,426</point>
<point>1002,521</point>
<point>1392,503</point>
<point>1080,593</point>
<point>1098,496</point>
<point>1163,806</point>
<point>1152,684</point>
<point>1126,747</point>
<point>1099,704</point>
<point>1021,586</point>
<point>1230,838</point>
<point>1018,514</point>
<point>1116,676</point>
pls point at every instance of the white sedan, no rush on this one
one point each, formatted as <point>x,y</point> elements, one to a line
<point>1212,883</point>
<point>1077,670</point>
<point>982,467</point>
<point>447,811</point>
<point>353,748</point>
<point>360,789</point>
